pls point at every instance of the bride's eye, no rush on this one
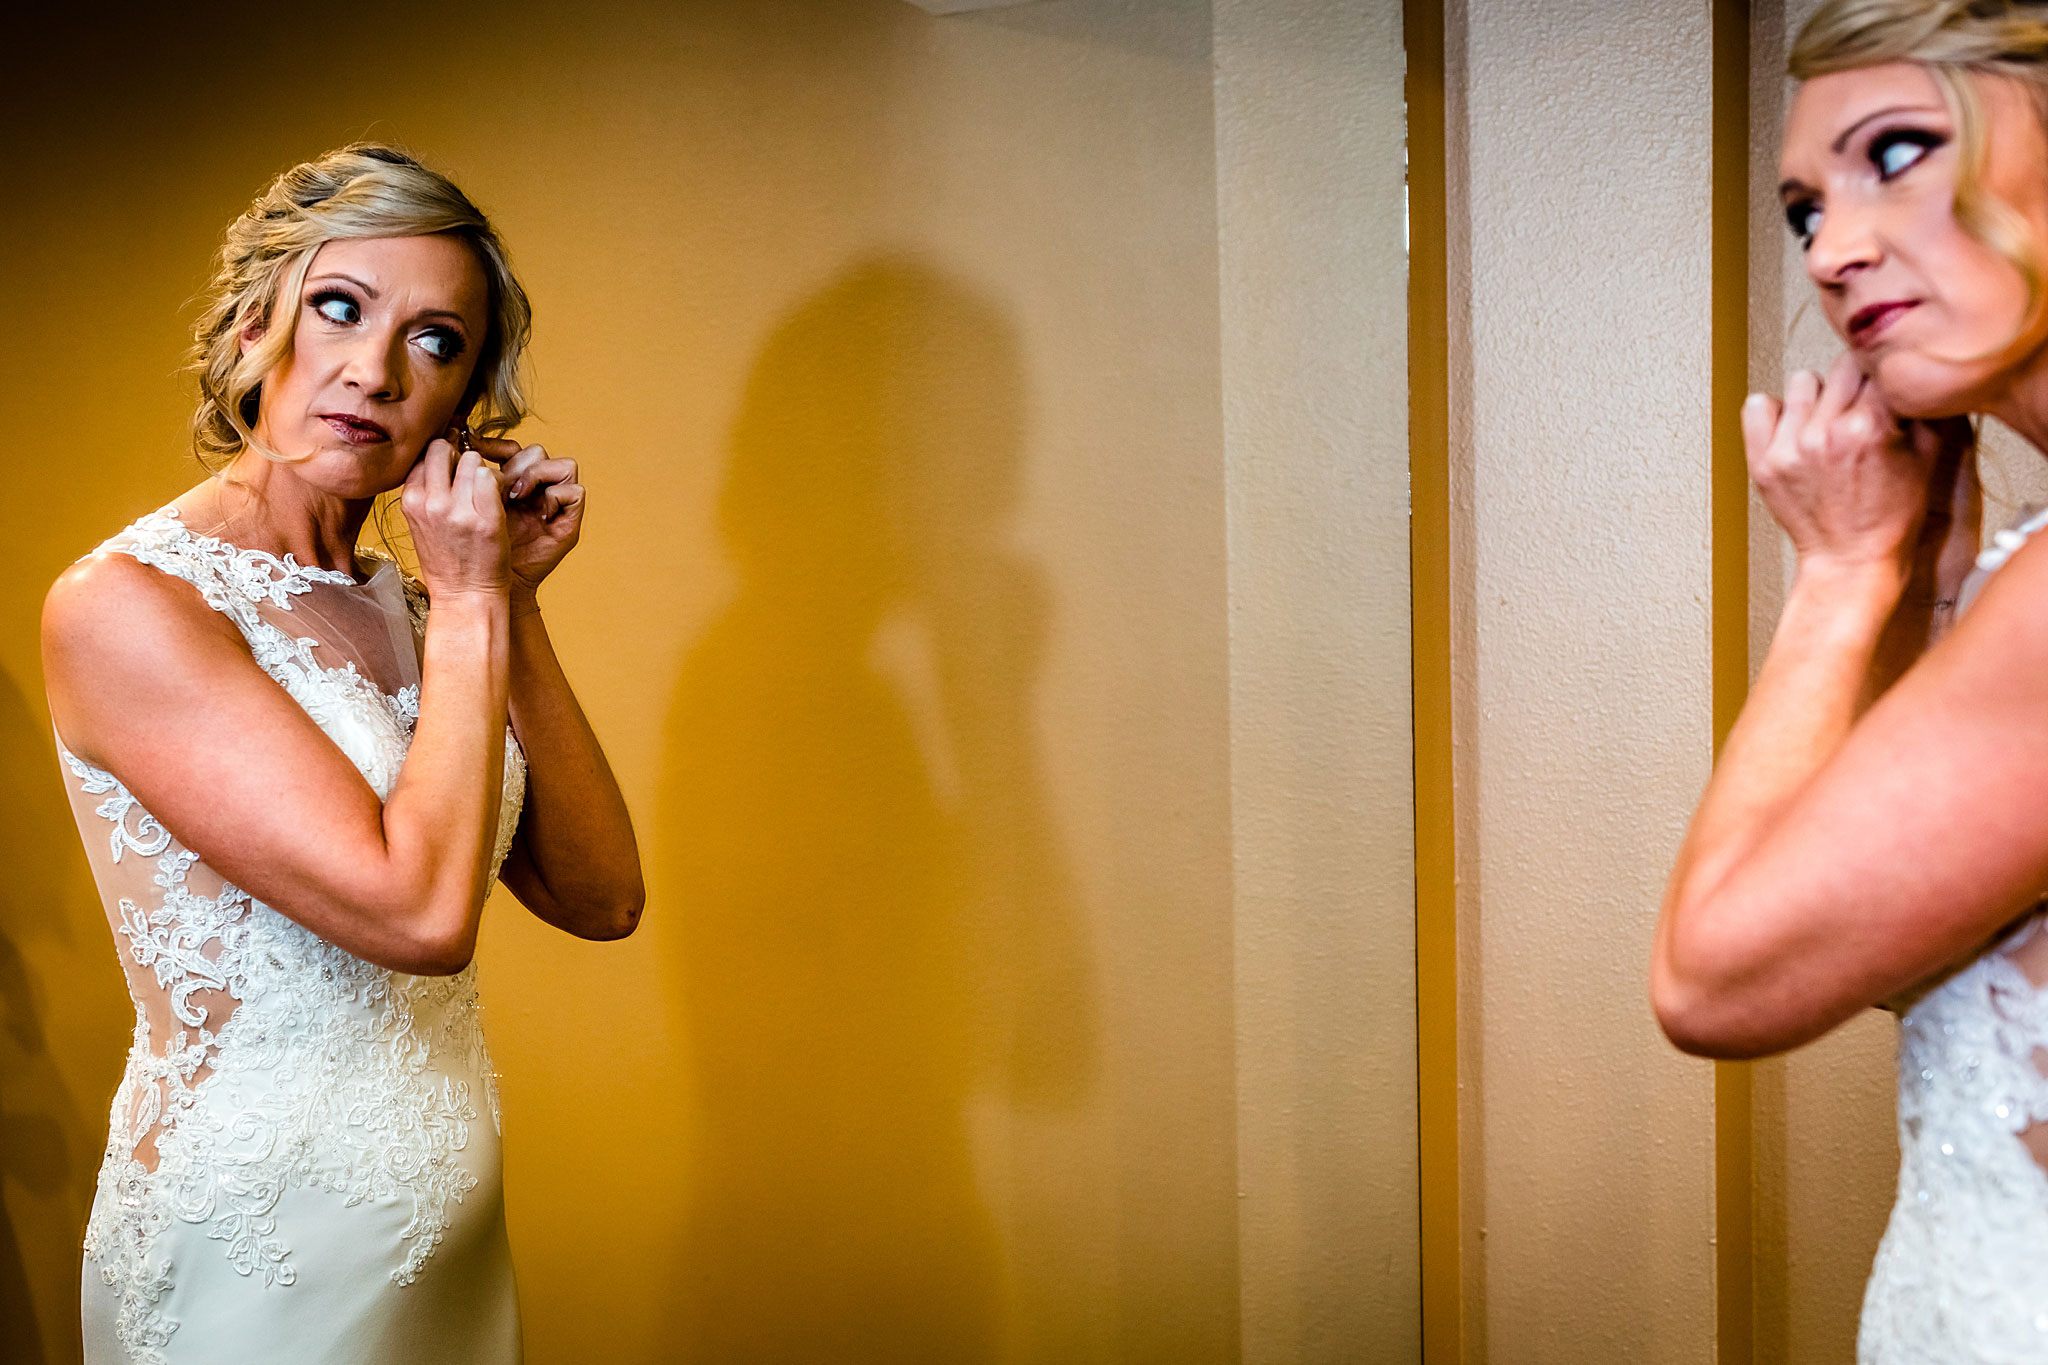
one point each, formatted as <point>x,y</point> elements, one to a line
<point>336,306</point>
<point>1803,217</point>
<point>442,343</point>
<point>1895,152</point>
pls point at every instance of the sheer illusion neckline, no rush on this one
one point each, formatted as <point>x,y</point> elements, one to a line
<point>285,567</point>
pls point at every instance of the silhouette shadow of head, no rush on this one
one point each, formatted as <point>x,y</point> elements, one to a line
<point>871,924</point>
<point>881,426</point>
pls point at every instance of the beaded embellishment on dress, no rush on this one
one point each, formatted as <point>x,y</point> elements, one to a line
<point>1962,1272</point>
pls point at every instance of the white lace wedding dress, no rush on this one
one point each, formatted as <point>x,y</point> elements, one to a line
<point>1962,1272</point>
<point>302,1160</point>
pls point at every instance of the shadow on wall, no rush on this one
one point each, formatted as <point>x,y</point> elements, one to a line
<point>873,927</point>
<point>47,1151</point>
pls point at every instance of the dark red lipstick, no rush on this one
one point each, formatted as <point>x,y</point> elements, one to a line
<point>360,431</point>
<point>1867,322</point>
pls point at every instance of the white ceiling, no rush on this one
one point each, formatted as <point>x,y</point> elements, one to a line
<point>962,6</point>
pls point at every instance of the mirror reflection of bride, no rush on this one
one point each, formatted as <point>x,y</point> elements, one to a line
<point>1874,832</point>
<point>298,772</point>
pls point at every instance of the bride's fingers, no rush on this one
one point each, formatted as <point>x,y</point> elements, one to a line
<point>487,493</point>
<point>1866,417</point>
<point>557,498</point>
<point>1841,390</point>
<point>496,449</point>
<point>437,466</point>
<point>473,480</point>
<point>1780,452</point>
<point>412,494</point>
<point>524,476</point>
<point>1760,414</point>
<point>1802,392</point>
<point>516,466</point>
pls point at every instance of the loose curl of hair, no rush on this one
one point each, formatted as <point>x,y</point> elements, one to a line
<point>1957,41</point>
<point>365,189</point>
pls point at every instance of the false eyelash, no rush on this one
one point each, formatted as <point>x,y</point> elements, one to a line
<point>1913,137</point>
<point>1798,217</point>
<point>457,345</point>
<point>329,295</point>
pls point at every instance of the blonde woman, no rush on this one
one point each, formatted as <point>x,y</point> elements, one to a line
<point>1877,829</point>
<point>298,772</point>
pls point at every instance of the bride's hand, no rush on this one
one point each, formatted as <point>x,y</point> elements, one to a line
<point>543,507</point>
<point>454,507</point>
<point>1846,479</point>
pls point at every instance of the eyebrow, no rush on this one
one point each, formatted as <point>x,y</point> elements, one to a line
<point>370,292</point>
<point>367,289</point>
<point>1793,186</point>
<point>1850,131</point>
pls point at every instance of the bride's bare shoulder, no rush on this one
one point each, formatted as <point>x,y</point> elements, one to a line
<point>110,593</point>
<point>111,623</point>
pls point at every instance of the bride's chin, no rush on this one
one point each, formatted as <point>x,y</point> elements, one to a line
<point>1910,392</point>
<point>348,475</point>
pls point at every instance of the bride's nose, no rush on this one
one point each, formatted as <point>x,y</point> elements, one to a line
<point>1845,242</point>
<point>375,367</point>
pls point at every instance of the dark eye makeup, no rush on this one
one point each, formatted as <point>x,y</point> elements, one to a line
<point>1891,153</point>
<point>337,305</point>
<point>1897,150</point>
<point>442,343</point>
<point>343,309</point>
<point>1803,217</point>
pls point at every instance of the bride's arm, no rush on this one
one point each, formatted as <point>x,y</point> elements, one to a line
<point>1839,859</point>
<point>150,684</point>
<point>576,863</point>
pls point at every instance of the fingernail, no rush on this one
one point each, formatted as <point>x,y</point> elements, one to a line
<point>1752,400</point>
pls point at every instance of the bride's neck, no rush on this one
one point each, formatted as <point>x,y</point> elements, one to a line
<point>2023,405</point>
<point>259,504</point>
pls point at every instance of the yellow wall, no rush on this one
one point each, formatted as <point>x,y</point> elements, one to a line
<point>891,347</point>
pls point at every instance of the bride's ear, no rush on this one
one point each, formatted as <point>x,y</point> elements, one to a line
<point>251,334</point>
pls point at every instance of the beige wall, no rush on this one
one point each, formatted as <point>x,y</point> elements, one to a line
<point>936,607</point>
<point>1580,364</point>
<point>1309,110</point>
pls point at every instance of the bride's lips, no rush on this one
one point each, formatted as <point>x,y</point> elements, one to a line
<point>359,431</point>
<point>1867,322</point>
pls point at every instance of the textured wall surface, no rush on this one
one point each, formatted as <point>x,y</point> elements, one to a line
<point>1585,725</point>
<point>1309,183</point>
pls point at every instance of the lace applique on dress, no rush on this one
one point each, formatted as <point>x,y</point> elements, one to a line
<point>277,1061</point>
<point>1962,1272</point>
<point>1960,1275</point>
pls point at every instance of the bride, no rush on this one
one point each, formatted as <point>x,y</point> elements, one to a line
<point>292,768</point>
<point>1877,828</point>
